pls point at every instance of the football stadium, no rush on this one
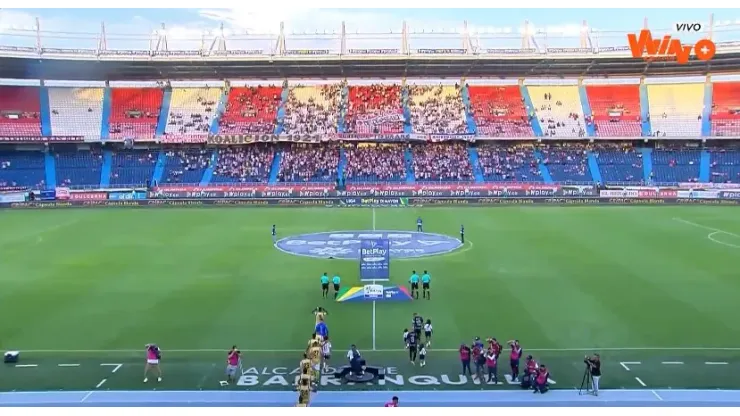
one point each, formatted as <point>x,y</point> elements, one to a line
<point>577,200</point>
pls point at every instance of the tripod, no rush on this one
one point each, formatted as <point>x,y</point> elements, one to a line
<point>586,383</point>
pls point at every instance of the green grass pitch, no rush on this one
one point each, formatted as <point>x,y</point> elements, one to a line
<point>655,290</point>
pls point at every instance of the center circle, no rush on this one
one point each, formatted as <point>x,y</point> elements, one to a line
<point>346,244</point>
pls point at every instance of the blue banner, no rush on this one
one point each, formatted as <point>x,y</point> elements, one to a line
<point>126,196</point>
<point>375,259</point>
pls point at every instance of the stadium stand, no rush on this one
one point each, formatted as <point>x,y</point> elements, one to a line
<point>370,162</point>
<point>186,165</point>
<point>251,110</point>
<point>567,162</point>
<point>499,111</point>
<point>675,109</point>
<point>76,111</point>
<point>437,109</point>
<point>245,164</point>
<point>78,168</point>
<point>559,110</point>
<point>132,167</point>
<point>509,162</point>
<point>312,110</point>
<point>615,110</point>
<point>725,116</point>
<point>374,109</point>
<point>309,163</point>
<point>134,112</point>
<point>440,162</point>
<point>20,109</point>
<point>725,166</point>
<point>20,168</point>
<point>191,112</point>
<point>676,165</point>
<point>619,162</point>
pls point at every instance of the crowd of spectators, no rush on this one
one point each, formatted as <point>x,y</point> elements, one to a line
<point>374,109</point>
<point>313,111</point>
<point>251,110</point>
<point>244,164</point>
<point>192,121</point>
<point>186,161</point>
<point>509,163</point>
<point>309,163</point>
<point>370,162</point>
<point>566,161</point>
<point>437,109</point>
<point>442,162</point>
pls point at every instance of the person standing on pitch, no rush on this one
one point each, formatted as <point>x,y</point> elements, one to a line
<point>426,280</point>
<point>414,282</point>
<point>419,225</point>
<point>594,366</point>
<point>462,234</point>
<point>324,286</point>
<point>336,281</point>
<point>232,364</point>
<point>274,234</point>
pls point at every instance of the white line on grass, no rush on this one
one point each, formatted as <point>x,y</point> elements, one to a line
<point>221,350</point>
<point>714,232</point>
<point>101,383</point>
<point>642,383</point>
<point>672,362</point>
<point>626,363</point>
<point>716,363</point>
<point>68,365</point>
<point>117,367</point>
<point>26,365</point>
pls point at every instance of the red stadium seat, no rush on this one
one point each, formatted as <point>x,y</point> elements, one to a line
<point>134,112</point>
<point>251,110</point>
<point>726,109</point>
<point>615,110</point>
<point>20,109</point>
<point>499,111</point>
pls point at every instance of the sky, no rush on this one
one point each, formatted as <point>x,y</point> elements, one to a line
<point>247,29</point>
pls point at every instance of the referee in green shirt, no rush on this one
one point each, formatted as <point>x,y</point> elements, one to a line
<point>324,285</point>
<point>425,281</point>
<point>336,280</point>
<point>414,281</point>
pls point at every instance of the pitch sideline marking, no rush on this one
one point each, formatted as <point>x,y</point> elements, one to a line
<point>714,231</point>
<point>220,350</point>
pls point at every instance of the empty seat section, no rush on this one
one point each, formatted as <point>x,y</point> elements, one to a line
<point>251,110</point>
<point>442,162</point>
<point>619,163</point>
<point>374,109</point>
<point>186,165</point>
<point>725,166</point>
<point>80,168</point>
<point>312,110</point>
<point>76,111</point>
<point>20,168</point>
<point>309,163</point>
<point>726,109</point>
<point>20,111</point>
<point>676,165</point>
<point>370,162</point>
<point>676,109</point>
<point>499,111</point>
<point>567,162</point>
<point>615,110</point>
<point>437,109</point>
<point>509,163</point>
<point>134,112</point>
<point>244,164</point>
<point>191,112</point>
<point>132,167</point>
<point>559,110</point>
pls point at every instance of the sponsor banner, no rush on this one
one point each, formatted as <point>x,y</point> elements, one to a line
<point>7,198</point>
<point>40,139</point>
<point>170,138</point>
<point>88,196</point>
<point>699,194</point>
<point>657,193</point>
<point>369,191</point>
<point>62,193</point>
<point>729,194</point>
<point>342,202</point>
<point>126,196</point>
<point>709,185</point>
<point>375,260</point>
<point>618,194</point>
<point>307,52</point>
<point>374,51</point>
<point>447,51</point>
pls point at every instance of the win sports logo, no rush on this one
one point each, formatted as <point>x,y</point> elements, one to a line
<point>643,45</point>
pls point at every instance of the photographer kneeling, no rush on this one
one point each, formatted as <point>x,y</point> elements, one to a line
<point>540,380</point>
<point>594,368</point>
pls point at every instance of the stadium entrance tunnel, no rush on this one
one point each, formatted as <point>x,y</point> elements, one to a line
<point>346,244</point>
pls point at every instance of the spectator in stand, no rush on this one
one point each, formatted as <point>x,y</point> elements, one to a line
<point>309,163</point>
<point>370,162</point>
<point>374,109</point>
<point>244,164</point>
<point>437,109</point>
<point>312,111</point>
<point>251,110</point>
<point>435,162</point>
<point>188,160</point>
<point>515,163</point>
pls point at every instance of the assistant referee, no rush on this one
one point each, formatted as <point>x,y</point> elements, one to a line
<point>594,366</point>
